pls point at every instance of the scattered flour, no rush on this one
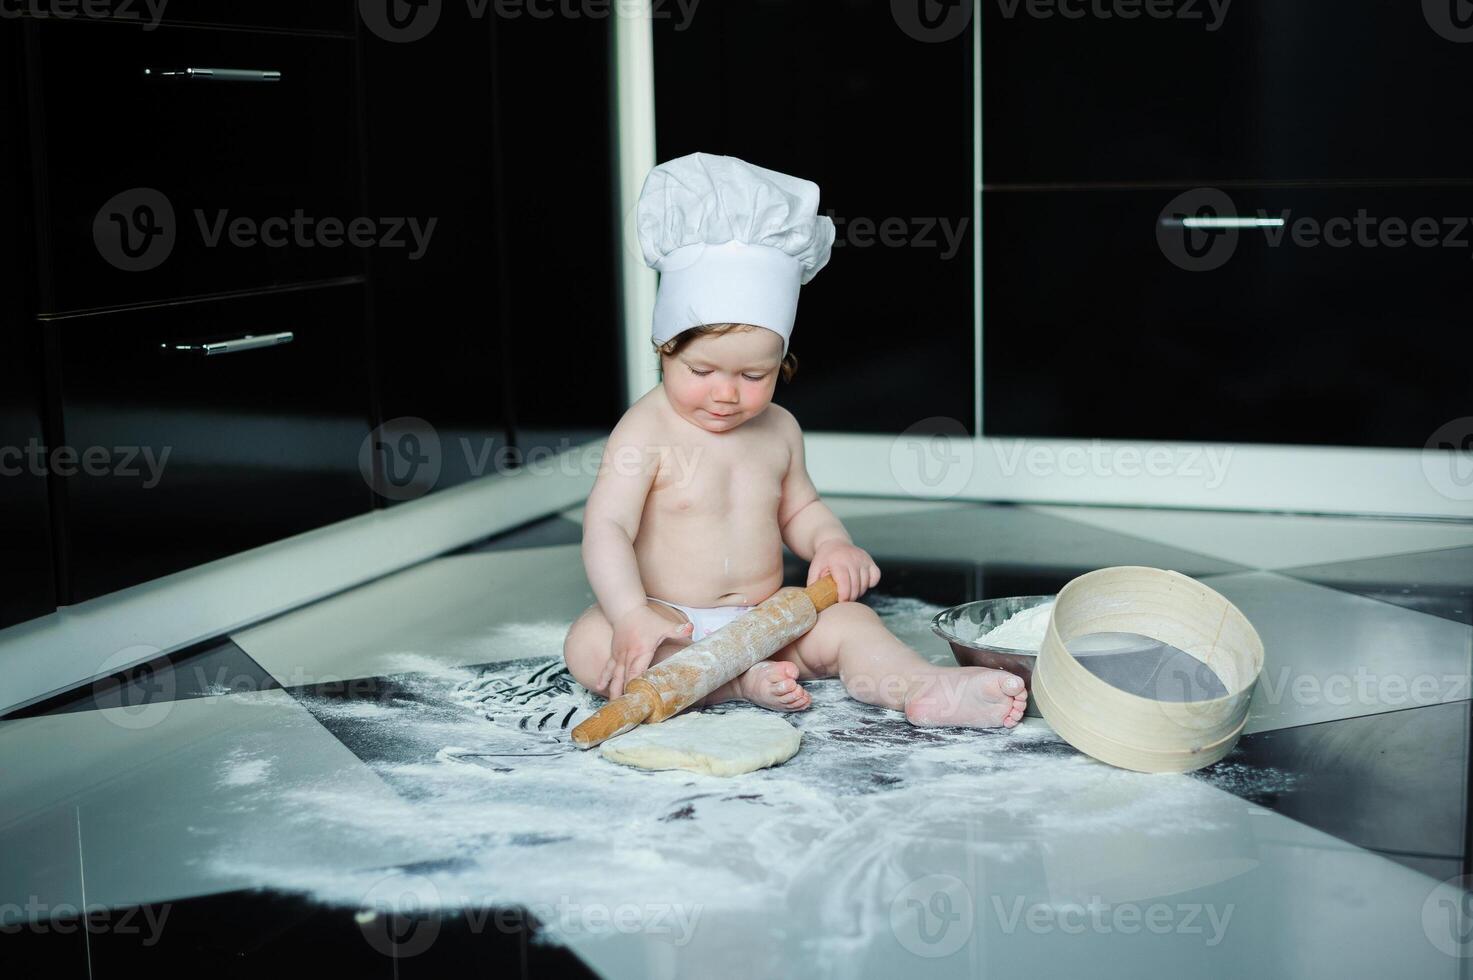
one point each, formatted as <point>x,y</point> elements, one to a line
<point>244,771</point>
<point>1022,630</point>
<point>497,814</point>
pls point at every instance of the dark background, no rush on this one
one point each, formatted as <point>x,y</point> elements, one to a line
<point>506,332</point>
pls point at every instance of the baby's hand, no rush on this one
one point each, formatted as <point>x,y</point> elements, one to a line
<point>854,571</point>
<point>637,636</point>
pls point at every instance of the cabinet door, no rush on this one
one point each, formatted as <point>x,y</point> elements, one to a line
<point>883,124</point>
<point>27,579</point>
<point>308,16</point>
<point>1254,90</point>
<point>158,185</point>
<point>183,452</point>
<point>1101,323</point>
<point>438,315</point>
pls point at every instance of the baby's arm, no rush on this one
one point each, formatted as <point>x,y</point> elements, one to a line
<point>813,533</point>
<point>611,519</point>
<point>610,524</point>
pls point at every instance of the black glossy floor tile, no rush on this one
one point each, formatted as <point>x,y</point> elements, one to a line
<point>1439,583</point>
<point>250,934</point>
<point>543,533</point>
<point>1395,783</point>
<point>205,670</point>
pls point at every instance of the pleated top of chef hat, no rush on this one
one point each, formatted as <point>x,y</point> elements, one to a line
<point>732,242</point>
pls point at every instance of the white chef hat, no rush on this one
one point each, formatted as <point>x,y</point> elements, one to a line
<point>732,243</point>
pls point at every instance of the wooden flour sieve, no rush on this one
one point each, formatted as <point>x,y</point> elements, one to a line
<point>1127,730</point>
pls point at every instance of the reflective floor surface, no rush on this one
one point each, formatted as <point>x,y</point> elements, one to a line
<point>381,782</point>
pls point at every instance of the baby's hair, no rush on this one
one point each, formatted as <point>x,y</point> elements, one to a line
<point>680,341</point>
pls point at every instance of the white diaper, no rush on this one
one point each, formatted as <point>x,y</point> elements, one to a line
<point>706,620</point>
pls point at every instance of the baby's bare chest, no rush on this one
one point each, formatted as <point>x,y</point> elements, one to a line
<point>725,477</point>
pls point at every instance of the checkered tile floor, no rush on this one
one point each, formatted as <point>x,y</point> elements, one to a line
<point>153,794</point>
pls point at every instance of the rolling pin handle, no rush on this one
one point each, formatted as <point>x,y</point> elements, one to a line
<point>823,593</point>
<point>614,718</point>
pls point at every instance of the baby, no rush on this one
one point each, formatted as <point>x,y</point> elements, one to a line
<point>703,479</point>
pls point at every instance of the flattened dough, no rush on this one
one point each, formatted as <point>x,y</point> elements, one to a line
<point>715,744</point>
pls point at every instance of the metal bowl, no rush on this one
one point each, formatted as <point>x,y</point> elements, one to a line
<point>960,624</point>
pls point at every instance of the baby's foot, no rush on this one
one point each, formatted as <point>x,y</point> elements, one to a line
<point>975,697</point>
<point>774,684</point>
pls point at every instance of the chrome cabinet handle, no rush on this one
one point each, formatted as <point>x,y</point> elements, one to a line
<point>214,74</point>
<point>248,342</point>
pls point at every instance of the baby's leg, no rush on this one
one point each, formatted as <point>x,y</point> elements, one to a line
<point>877,668</point>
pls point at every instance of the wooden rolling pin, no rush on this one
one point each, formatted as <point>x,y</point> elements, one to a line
<point>705,665</point>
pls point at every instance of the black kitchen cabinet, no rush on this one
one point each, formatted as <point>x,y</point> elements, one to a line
<point>1099,327</point>
<point>1341,322</point>
<point>200,452</point>
<point>499,338</point>
<point>299,16</point>
<point>27,577</point>
<point>173,186</point>
<point>1261,91</point>
<point>225,394</point>
<point>882,122</point>
<point>563,353</point>
<point>431,156</point>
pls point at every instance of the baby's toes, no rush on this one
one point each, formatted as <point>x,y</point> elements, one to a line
<point>797,699</point>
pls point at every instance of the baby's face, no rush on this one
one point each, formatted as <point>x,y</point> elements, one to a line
<point>719,382</point>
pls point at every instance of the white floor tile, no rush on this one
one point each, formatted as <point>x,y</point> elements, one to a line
<point>466,609</point>
<point>172,800</point>
<point>1268,541</point>
<point>1331,655</point>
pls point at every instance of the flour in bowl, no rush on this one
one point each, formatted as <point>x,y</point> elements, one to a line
<point>1022,630</point>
